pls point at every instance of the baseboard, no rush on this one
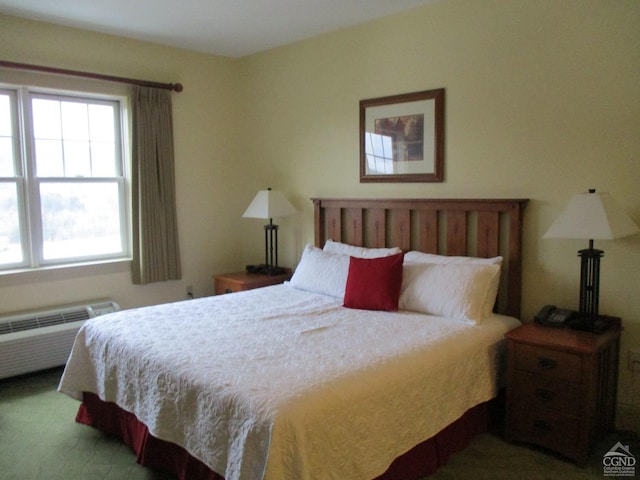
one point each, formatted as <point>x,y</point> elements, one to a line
<point>628,417</point>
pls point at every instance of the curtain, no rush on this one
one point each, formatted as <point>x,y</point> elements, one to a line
<point>156,253</point>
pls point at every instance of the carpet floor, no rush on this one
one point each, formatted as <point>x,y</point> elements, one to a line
<point>39,439</point>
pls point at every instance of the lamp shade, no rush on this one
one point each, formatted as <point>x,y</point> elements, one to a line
<point>592,216</point>
<point>269,204</point>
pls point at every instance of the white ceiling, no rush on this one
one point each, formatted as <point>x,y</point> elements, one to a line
<point>232,28</point>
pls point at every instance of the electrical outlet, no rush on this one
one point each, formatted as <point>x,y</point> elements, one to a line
<point>634,361</point>
<point>189,291</point>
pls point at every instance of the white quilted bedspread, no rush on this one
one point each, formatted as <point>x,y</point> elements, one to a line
<point>278,383</point>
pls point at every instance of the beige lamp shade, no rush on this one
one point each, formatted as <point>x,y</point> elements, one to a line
<point>269,204</point>
<point>592,216</point>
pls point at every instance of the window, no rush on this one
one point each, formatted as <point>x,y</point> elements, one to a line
<point>63,185</point>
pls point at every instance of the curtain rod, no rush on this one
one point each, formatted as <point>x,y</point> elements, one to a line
<point>176,87</point>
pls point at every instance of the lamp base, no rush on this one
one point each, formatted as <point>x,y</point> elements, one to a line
<point>582,323</point>
<point>266,269</point>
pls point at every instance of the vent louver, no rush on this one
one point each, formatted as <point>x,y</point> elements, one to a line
<point>40,321</point>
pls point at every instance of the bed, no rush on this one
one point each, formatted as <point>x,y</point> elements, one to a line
<point>379,359</point>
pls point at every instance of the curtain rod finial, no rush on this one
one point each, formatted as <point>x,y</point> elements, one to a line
<point>177,87</point>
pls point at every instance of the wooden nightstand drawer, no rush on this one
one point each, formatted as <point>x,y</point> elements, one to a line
<point>225,285</point>
<point>547,428</point>
<point>540,392</point>
<point>553,363</point>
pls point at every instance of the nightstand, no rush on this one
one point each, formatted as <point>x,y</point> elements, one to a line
<point>240,281</point>
<point>561,387</point>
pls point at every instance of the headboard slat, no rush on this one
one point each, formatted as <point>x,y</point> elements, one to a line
<point>488,234</point>
<point>353,226</point>
<point>428,231</point>
<point>421,224</point>
<point>515,254</point>
<point>456,232</point>
<point>334,223</point>
<point>376,228</point>
<point>399,228</point>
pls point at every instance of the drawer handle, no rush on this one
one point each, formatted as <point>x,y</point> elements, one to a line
<point>542,425</point>
<point>544,394</point>
<point>546,363</point>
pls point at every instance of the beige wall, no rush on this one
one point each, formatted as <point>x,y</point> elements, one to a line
<point>541,102</point>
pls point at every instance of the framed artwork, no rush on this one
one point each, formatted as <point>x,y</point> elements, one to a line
<point>402,138</point>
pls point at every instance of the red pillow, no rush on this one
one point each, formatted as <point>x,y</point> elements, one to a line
<point>374,283</point>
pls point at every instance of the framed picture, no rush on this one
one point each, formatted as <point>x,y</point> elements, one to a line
<point>402,138</point>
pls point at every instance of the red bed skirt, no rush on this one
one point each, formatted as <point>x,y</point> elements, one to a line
<point>422,460</point>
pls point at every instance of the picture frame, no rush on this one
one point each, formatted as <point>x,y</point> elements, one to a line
<point>402,137</point>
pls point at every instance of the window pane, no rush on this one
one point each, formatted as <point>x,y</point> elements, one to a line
<point>75,121</point>
<point>5,116</point>
<point>46,119</point>
<point>103,159</point>
<point>103,137</point>
<point>6,157</point>
<point>49,155</point>
<point>10,248</point>
<point>77,162</point>
<point>7,168</point>
<point>101,123</point>
<point>80,219</point>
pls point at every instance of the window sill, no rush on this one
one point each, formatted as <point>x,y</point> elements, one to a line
<point>64,272</point>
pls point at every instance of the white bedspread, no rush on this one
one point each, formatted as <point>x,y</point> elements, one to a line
<point>278,383</point>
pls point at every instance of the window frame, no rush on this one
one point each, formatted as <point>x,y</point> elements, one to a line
<point>28,184</point>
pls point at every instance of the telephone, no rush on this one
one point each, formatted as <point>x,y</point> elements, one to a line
<point>555,317</point>
<point>266,269</point>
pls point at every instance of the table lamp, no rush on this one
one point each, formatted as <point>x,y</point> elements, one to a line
<point>591,216</point>
<point>269,204</point>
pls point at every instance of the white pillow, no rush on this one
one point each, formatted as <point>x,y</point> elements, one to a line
<point>454,290</point>
<point>421,257</point>
<point>361,252</point>
<point>321,272</point>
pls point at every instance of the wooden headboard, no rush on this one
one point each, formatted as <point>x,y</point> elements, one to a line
<point>469,227</point>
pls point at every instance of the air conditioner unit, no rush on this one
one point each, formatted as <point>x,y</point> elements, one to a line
<point>41,339</point>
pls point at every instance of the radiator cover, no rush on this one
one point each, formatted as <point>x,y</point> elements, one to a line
<point>41,339</point>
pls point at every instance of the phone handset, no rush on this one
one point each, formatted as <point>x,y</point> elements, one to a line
<point>553,316</point>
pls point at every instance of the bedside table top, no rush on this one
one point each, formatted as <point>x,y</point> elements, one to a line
<point>241,281</point>
<point>533,333</point>
<point>252,277</point>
